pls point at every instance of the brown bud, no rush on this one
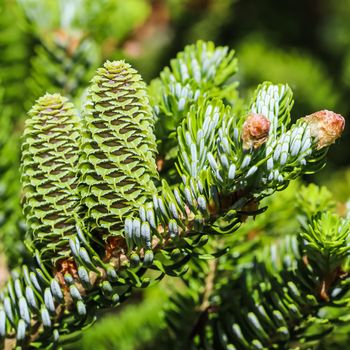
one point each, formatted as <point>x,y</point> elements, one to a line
<point>255,131</point>
<point>325,126</point>
<point>64,266</point>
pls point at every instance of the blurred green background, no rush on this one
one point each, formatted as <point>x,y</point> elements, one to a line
<point>56,45</point>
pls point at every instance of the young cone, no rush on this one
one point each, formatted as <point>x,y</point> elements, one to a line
<point>118,147</point>
<point>49,174</point>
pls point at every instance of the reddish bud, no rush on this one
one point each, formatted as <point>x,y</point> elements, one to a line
<point>255,131</point>
<point>64,266</point>
<point>325,126</point>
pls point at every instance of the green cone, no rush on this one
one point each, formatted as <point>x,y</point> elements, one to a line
<point>118,148</point>
<point>49,174</point>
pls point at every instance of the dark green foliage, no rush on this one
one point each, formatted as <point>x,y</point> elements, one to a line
<point>278,309</point>
<point>13,70</point>
<point>200,19</point>
<point>281,296</point>
<point>14,55</point>
<point>138,324</point>
<point>11,222</point>
<point>64,62</point>
<point>66,52</point>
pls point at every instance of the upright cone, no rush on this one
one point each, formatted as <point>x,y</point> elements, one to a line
<point>118,148</point>
<point>50,154</point>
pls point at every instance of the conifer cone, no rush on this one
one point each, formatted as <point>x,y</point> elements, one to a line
<point>49,168</point>
<point>118,147</point>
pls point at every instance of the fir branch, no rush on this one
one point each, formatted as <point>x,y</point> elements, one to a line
<point>200,70</point>
<point>126,225</point>
<point>286,298</point>
<point>64,62</point>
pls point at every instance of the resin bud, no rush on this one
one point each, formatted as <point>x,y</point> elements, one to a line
<point>325,127</point>
<point>255,131</point>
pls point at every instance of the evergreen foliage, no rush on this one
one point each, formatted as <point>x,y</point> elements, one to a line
<point>14,56</point>
<point>13,70</point>
<point>63,62</point>
<point>101,224</point>
<point>132,332</point>
<point>287,294</point>
<point>200,70</point>
<point>64,56</point>
<point>11,221</point>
